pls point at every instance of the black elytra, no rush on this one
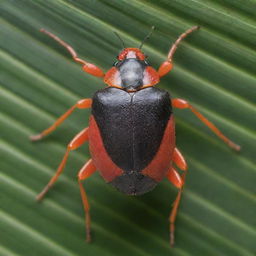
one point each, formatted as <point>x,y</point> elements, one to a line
<point>132,126</point>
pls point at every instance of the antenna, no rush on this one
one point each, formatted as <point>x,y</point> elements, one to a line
<point>119,37</point>
<point>147,36</point>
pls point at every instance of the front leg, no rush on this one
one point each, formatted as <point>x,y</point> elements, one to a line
<point>167,65</point>
<point>87,67</point>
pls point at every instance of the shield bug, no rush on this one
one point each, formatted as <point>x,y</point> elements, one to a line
<point>131,131</point>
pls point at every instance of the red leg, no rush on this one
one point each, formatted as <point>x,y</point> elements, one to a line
<point>79,139</point>
<point>179,160</point>
<point>87,67</point>
<point>87,170</point>
<point>167,65</point>
<point>85,103</point>
<point>179,103</point>
<point>177,181</point>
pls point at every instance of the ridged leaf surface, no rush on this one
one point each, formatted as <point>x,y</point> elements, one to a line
<point>214,70</point>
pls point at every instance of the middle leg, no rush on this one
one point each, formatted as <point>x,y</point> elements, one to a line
<point>84,103</point>
<point>183,104</point>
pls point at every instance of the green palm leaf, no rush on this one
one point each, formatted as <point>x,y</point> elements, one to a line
<point>214,70</point>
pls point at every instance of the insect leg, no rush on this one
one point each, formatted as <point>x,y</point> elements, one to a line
<point>84,103</point>
<point>79,139</point>
<point>167,65</point>
<point>177,181</point>
<point>87,170</point>
<point>179,160</point>
<point>182,104</point>
<point>87,67</point>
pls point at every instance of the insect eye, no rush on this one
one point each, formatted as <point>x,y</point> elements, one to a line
<point>115,63</point>
<point>146,62</point>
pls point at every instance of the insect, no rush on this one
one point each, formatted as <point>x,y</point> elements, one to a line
<point>131,131</point>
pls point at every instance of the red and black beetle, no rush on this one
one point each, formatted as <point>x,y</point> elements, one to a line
<point>131,133</point>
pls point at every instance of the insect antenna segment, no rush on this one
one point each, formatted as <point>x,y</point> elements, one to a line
<point>147,36</point>
<point>119,37</point>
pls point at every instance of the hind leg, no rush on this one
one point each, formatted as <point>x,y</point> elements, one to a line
<point>79,140</point>
<point>179,159</point>
<point>87,170</point>
<point>178,181</point>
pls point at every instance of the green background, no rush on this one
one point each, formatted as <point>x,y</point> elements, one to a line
<point>214,70</point>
